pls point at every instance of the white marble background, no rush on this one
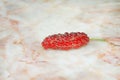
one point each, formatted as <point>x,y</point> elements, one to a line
<point>25,23</point>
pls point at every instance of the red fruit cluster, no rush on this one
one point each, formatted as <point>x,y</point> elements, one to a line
<point>65,41</point>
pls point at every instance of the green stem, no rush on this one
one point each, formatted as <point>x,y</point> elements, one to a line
<point>97,39</point>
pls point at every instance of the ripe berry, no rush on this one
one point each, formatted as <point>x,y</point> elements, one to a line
<point>65,41</point>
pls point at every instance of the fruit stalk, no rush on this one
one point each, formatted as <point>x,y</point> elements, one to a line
<point>97,39</point>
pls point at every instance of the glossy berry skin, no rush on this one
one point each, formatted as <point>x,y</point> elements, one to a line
<point>65,41</point>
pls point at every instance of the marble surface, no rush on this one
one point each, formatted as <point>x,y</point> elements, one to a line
<point>25,23</point>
